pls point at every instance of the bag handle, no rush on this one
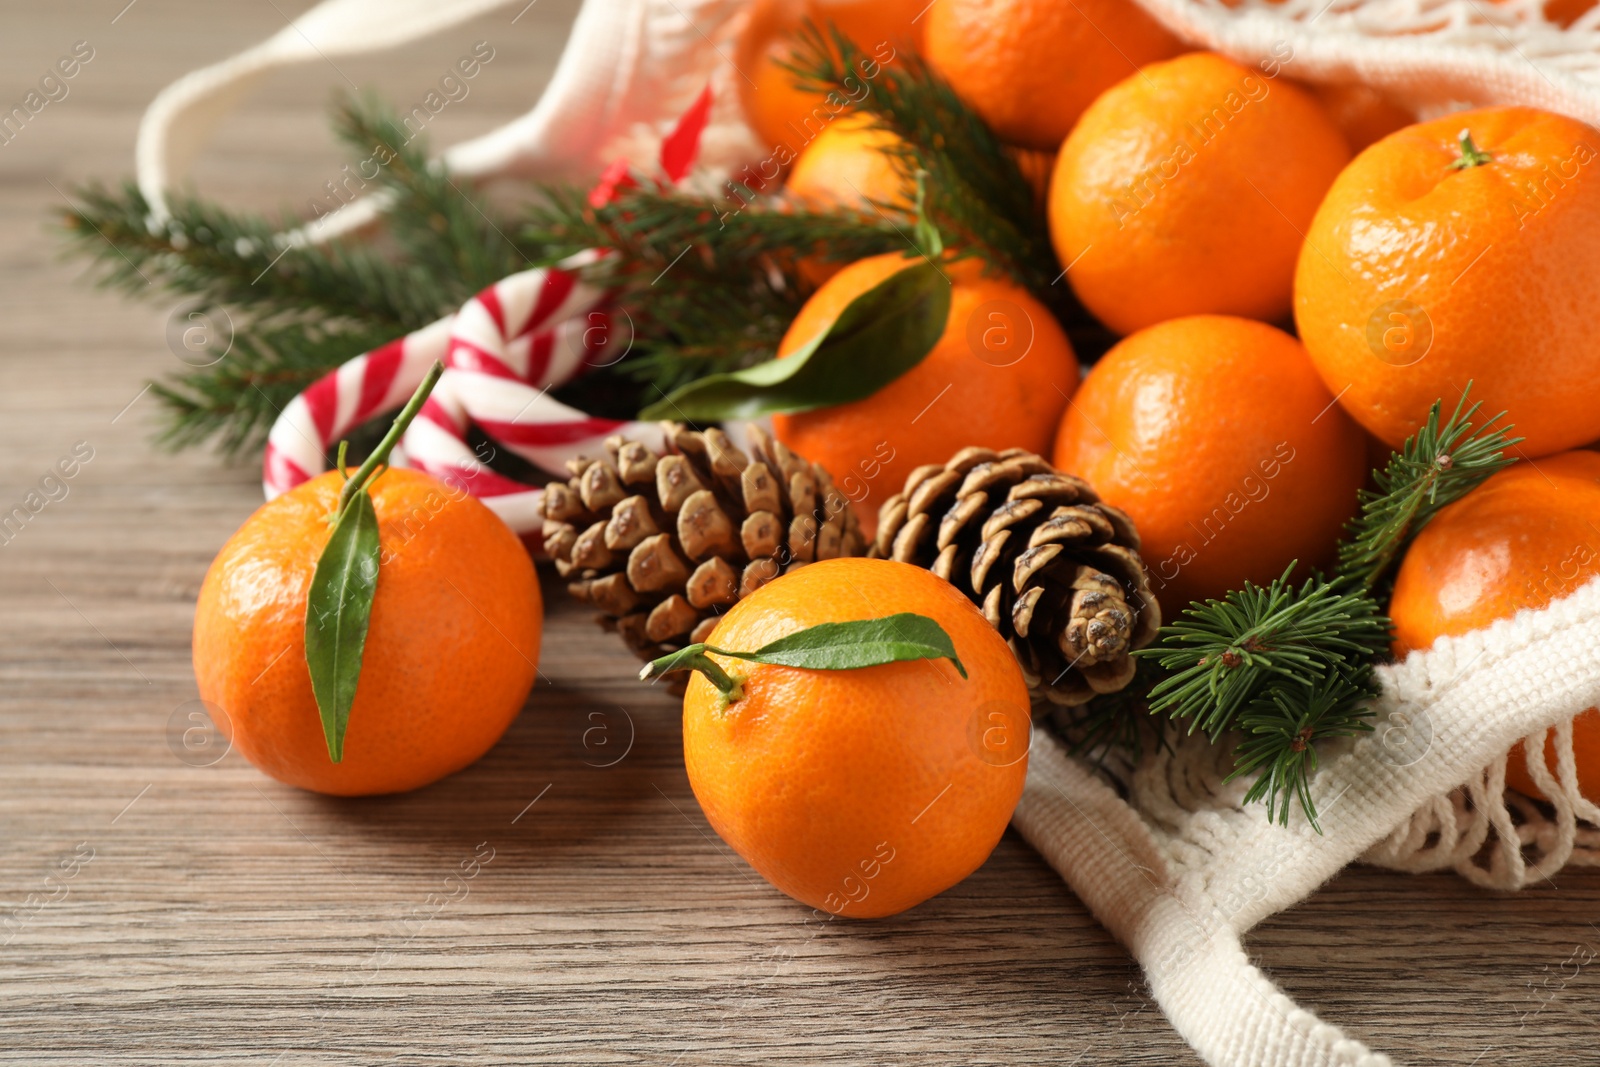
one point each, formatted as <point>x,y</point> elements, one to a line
<point>1231,1013</point>
<point>627,65</point>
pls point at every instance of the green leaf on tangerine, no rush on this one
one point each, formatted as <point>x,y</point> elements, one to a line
<point>879,336</point>
<point>827,646</point>
<point>338,608</point>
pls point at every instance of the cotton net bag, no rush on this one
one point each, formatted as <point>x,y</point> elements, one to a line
<point>1162,851</point>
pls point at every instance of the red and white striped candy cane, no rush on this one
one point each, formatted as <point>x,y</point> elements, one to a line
<point>502,352</point>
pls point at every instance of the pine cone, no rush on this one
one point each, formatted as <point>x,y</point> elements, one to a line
<point>1056,571</point>
<point>662,544</point>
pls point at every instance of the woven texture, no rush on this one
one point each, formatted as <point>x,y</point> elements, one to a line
<point>1180,870</point>
<point>1162,852</point>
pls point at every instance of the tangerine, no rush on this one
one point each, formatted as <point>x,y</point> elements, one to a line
<point>785,116</point>
<point>1218,439</point>
<point>1566,12</point>
<point>1466,248</point>
<point>1185,190</point>
<point>1031,67</point>
<point>1363,114</point>
<point>860,792</point>
<point>451,647</point>
<point>998,377</point>
<point>850,165</point>
<point>1527,536</point>
<point>1036,167</point>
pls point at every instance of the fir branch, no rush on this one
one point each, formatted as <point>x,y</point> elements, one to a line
<point>1282,726</point>
<point>980,197</point>
<point>1293,667</point>
<point>734,268</point>
<point>1224,653</point>
<point>732,239</point>
<point>1290,666</point>
<point>236,401</point>
<point>235,259</point>
<point>1437,466</point>
<point>298,310</point>
<point>446,230</point>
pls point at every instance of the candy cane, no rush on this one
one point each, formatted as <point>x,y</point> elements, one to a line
<point>337,403</point>
<point>502,352</point>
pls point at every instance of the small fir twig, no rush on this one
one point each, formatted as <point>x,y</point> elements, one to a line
<point>1292,667</point>
<point>1282,727</point>
<point>298,312</point>
<point>1438,465</point>
<point>235,402</point>
<point>1222,654</point>
<point>977,195</point>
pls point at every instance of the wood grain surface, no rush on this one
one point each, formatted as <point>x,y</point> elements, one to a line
<point>157,912</point>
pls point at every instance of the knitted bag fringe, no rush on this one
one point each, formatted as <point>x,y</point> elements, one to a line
<point>1163,852</point>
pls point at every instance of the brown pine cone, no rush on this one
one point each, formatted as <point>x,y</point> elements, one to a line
<point>662,544</point>
<point>1056,571</point>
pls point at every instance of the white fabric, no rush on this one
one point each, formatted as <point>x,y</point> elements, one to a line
<point>1430,55</point>
<point>1179,869</point>
<point>1182,877</point>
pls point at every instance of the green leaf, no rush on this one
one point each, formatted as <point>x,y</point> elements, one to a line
<point>339,604</point>
<point>848,646</point>
<point>338,609</point>
<point>827,646</point>
<point>879,336</point>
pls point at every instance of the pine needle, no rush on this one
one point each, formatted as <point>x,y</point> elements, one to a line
<point>1282,727</point>
<point>1222,654</point>
<point>1438,466</point>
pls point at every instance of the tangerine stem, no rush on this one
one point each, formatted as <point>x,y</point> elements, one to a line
<point>380,455</point>
<point>927,234</point>
<point>694,658</point>
<point>1471,154</point>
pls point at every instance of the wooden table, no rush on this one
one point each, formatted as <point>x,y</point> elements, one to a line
<point>216,916</point>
